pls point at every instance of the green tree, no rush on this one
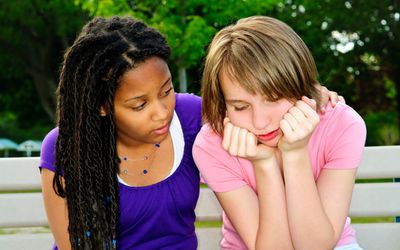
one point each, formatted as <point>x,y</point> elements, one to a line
<point>33,37</point>
<point>357,48</point>
<point>188,25</point>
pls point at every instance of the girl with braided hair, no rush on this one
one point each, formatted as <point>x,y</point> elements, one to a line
<point>117,172</point>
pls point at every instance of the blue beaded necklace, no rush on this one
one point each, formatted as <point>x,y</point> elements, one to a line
<point>144,158</point>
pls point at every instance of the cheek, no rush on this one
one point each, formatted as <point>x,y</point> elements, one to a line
<point>171,102</point>
<point>279,111</point>
<point>240,119</point>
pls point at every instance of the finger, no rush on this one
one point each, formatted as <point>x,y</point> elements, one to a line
<point>309,112</point>
<point>291,121</point>
<point>242,142</point>
<point>307,107</point>
<point>324,94</point>
<point>286,129</point>
<point>297,113</point>
<point>234,144</point>
<point>251,145</point>
<point>342,100</point>
<point>300,125</point>
<point>226,120</point>
<point>310,102</point>
<point>334,97</point>
<point>226,140</point>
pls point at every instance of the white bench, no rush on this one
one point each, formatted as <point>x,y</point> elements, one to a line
<point>21,204</point>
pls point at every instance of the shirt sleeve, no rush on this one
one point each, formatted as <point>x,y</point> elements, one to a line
<point>346,137</point>
<point>219,170</point>
<point>47,152</point>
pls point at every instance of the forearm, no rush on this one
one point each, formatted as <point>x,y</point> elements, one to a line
<point>56,211</point>
<point>309,225</point>
<point>273,231</point>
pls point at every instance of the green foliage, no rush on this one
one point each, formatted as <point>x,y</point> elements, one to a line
<point>33,37</point>
<point>10,128</point>
<point>382,128</point>
<point>34,34</point>
<point>356,46</point>
<point>188,25</point>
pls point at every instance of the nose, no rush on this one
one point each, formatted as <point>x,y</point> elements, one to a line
<point>261,117</point>
<point>161,111</point>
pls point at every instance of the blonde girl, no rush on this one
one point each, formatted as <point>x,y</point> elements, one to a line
<point>282,170</point>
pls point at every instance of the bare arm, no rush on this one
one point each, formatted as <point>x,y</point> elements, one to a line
<point>260,219</point>
<point>316,211</point>
<point>56,210</point>
<point>273,230</point>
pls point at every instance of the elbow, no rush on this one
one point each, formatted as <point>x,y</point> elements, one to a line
<point>322,239</point>
<point>273,244</point>
<point>317,244</point>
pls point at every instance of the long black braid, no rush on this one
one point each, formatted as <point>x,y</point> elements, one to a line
<point>86,156</point>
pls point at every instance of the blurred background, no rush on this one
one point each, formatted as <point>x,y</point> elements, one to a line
<point>355,44</point>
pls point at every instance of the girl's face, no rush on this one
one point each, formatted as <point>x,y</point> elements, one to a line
<point>254,112</point>
<point>144,103</point>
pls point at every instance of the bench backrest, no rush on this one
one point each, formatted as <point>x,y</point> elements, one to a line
<point>380,198</point>
<point>21,203</point>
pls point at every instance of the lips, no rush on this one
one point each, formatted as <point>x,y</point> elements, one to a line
<point>162,130</point>
<point>269,136</point>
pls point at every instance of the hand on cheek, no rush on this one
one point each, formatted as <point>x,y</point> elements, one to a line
<point>298,124</point>
<point>241,142</point>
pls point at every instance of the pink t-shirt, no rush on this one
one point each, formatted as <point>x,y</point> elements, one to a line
<point>336,143</point>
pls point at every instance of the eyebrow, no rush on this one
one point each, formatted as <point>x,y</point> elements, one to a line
<point>233,101</point>
<point>141,96</point>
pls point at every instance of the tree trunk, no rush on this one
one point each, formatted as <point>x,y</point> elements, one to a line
<point>45,87</point>
<point>182,80</point>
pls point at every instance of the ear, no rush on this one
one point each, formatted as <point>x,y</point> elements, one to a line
<point>103,110</point>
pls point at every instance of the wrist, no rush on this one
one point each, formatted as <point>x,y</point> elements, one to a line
<point>295,155</point>
<point>265,163</point>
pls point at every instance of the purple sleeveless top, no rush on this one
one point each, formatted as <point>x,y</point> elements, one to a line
<point>159,216</point>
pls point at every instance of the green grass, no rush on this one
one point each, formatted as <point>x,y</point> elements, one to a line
<point>24,230</point>
<point>373,180</point>
<point>20,191</point>
<point>205,224</point>
<point>373,220</point>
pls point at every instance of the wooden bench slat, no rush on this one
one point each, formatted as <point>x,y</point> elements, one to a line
<point>379,162</point>
<point>208,207</point>
<point>378,236</point>
<point>375,200</point>
<point>369,200</point>
<point>22,210</point>
<point>209,238</point>
<point>36,241</point>
<point>19,173</point>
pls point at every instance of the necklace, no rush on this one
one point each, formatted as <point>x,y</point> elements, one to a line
<point>146,170</point>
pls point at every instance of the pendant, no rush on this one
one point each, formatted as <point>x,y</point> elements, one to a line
<point>145,171</point>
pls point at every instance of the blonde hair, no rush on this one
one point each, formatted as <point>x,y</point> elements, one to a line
<point>264,55</point>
